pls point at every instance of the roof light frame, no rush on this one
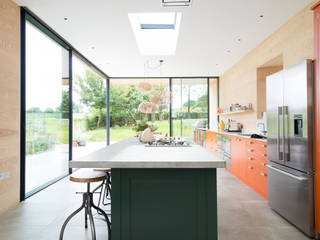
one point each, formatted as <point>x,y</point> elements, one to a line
<point>176,3</point>
<point>159,26</point>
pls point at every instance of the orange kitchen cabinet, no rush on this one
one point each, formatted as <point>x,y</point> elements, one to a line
<point>238,157</point>
<point>212,142</point>
<point>257,172</point>
<point>248,160</point>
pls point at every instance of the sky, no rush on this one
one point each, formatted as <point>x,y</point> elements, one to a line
<point>43,70</point>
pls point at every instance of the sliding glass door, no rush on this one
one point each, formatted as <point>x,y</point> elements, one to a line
<point>46,110</point>
<point>89,96</point>
<point>189,105</point>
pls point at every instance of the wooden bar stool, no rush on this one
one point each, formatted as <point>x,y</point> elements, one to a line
<point>87,204</point>
<point>106,186</point>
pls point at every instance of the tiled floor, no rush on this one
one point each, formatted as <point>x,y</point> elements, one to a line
<point>243,215</point>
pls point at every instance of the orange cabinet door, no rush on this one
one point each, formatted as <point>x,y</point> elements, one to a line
<point>238,156</point>
<point>208,140</point>
<point>251,175</point>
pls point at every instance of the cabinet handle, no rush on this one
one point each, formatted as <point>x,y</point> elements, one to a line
<point>250,167</point>
<point>263,155</point>
<point>238,140</point>
<point>263,174</point>
<point>263,146</point>
<point>263,164</point>
<point>250,158</point>
<point>250,150</point>
<point>250,142</point>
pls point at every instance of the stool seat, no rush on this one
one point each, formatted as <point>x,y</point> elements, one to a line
<point>88,176</point>
<point>105,170</point>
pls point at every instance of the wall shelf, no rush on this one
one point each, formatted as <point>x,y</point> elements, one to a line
<point>235,112</point>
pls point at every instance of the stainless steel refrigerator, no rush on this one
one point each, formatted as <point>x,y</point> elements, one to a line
<point>290,144</point>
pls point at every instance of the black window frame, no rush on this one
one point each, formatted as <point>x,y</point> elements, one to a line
<point>27,15</point>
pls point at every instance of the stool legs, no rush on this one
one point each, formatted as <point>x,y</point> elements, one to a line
<point>93,230</point>
<point>105,216</point>
<point>105,191</point>
<point>87,205</point>
<point>72,215</point>
<point>85,218</point>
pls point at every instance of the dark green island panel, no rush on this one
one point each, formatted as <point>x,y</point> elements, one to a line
<point>164,204</point>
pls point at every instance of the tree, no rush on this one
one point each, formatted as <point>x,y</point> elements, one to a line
<point>124,103</point>
<point>188,104</point>
<point>49,110</point>
<point>34,110</point>
<point>92,91</point>
<point>201,104</point>
<point>64,106</point>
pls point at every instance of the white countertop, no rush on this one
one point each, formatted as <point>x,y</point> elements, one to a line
<point>130,153</point>
<point>236,134</point>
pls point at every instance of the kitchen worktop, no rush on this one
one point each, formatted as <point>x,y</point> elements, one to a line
<point>236,134</point>
<point>151,189</point>
<point>130,153</point>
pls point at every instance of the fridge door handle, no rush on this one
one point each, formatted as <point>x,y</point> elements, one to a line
<point>288,174</point>
<point>285,141</point>
<point>280,153</point>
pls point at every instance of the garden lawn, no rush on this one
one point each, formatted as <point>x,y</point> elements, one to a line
<point>120,133</point>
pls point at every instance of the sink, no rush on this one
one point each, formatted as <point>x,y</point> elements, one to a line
<point>252,135</point>
<point>245,134</point>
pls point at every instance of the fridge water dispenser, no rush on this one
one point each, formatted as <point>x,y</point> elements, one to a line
<point>298,128</point>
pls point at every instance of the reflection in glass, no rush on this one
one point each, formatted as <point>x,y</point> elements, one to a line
<point>47,110</point>
<point>189,105</point>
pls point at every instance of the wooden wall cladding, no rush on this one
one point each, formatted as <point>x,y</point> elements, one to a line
<point>10,103</point>
<point>294,41</point>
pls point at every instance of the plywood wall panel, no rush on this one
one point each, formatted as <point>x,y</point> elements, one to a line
<point>213,83</point>
<point>294,41</point>
<point>10,103</point>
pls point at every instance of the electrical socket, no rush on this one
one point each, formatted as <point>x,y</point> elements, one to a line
<point>4,175</point>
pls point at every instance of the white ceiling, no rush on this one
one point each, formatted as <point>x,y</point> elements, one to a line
<point>209,29</point>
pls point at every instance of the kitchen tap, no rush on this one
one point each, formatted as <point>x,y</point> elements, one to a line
<point>263,127</point>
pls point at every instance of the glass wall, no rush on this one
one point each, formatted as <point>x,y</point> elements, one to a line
<point>89,109</point>
<point>189,105</point>
<point>47,110</point>
<point>126,118</point>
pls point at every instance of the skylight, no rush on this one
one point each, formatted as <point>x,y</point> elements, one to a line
<point>156,33</point>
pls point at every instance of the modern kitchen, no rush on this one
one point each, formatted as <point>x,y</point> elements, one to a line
<point>160,119</point>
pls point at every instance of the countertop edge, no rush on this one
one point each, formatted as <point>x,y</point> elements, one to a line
<point>234,134</point>
<point>147,164</point>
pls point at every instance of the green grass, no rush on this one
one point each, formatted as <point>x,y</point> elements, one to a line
<point>54,127</point>
<point>117,134</point>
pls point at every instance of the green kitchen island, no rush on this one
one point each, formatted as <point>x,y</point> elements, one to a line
<point>159,193</point>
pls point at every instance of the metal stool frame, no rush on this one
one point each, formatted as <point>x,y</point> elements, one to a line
<point>105,191</point>
<point>87,205</point>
